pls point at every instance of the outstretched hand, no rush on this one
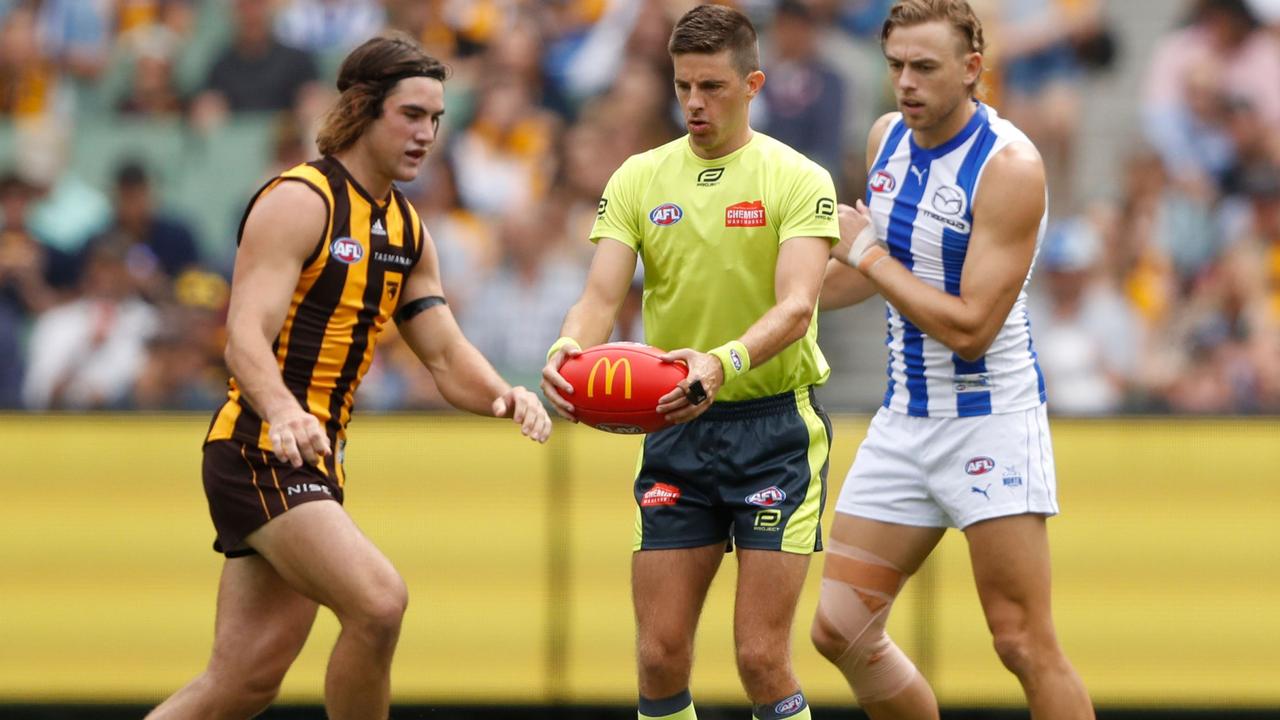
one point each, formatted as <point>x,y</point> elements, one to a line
<point>704,369</point>
<point>524,407</point>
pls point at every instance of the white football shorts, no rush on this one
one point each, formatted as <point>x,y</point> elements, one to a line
<point>952,472</point>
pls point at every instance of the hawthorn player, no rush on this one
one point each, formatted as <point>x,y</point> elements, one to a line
<point>329,252</point>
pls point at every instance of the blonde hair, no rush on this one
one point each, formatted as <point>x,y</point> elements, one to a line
<point>956,13</point>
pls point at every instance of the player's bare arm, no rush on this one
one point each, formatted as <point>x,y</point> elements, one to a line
<point>281,232</point>
<point>843,286</point>
<point>465,378</point>
<point>1006,220</point>
<point>590,320</point>
<point>797,282</point>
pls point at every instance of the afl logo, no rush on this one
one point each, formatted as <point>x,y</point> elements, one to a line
<point>980,465</point>
<point>666,214</point>
<point>346,250</point>
<point>767,497</point>
<point>882,182</point>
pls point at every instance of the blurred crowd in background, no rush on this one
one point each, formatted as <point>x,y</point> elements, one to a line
<point>133,131</point>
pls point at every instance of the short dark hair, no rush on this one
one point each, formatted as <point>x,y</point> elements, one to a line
<point>956,13</point>
<point>365,79</point>
<point>131,174</point>
<point>709,29</point>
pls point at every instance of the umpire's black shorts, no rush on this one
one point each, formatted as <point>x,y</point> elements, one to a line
<point>754,471</point>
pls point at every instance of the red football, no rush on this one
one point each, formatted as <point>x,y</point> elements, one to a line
<point>616,386</point>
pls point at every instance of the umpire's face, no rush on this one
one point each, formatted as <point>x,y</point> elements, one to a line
<point>405,131</point>
<point>714,97</point>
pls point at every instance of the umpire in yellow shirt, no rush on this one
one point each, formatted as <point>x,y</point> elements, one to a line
<point>734,230</point>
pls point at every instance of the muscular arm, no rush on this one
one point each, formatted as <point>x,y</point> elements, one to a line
<point>843,286</point>
<point>1006,220</point>
<point>797,281</point>
<point>466,379</point>
<point>590,320</point>
<point>282,230</point>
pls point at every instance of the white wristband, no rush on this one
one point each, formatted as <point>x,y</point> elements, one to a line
<point>865,240</point>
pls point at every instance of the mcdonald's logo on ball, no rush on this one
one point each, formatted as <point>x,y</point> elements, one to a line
<point>617,386</point>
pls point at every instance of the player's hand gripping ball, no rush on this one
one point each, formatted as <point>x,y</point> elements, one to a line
<point>616,386</point>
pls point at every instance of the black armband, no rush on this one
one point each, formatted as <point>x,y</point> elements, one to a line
<point>410,309</point>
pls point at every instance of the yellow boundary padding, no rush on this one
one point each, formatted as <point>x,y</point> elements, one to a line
<point>1166,585</point>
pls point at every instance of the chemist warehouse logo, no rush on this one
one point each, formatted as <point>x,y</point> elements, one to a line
<point>745,214</point>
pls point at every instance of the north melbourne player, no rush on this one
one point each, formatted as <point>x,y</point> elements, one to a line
<point>955,208</point>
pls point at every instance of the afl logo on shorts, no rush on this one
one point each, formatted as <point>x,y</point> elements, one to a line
<point>980,465</point>
<point>882,181</point>
<point>346,250</point>
<point>666,214</point>
<point>767,497</point>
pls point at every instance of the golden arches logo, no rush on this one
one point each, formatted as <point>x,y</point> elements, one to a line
<point>610,369</point>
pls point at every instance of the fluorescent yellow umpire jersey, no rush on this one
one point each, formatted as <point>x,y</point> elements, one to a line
<point>708,233</point>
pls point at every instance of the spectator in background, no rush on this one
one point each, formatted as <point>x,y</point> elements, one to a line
<point>1040,74</point>
<point>183,369</point>
<point>504,159</point>
<point>1220,49</point>
<point>86,354</point>
<point>158,246</point>
<point>325,26</point>
<point>804,97</point>
<point>1088,340</point>
<point>27,78</point>
<point>33,278</point>
<point>466,242</point>
<point>1252,268</point>
<point>255,73</point>
<point>152,89</point>
<point>67,210</point>
<point>515,314</point>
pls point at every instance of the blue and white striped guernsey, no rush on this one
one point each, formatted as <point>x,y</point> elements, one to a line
<point>921,202</point>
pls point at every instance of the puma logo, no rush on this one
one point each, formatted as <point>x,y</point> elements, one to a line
<point>982,491</point>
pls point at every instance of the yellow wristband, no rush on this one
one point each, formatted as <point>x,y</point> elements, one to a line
<point>733,358</point>
<point>555,346</point>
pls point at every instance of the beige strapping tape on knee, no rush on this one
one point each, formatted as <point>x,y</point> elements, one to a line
<point>858,590</point>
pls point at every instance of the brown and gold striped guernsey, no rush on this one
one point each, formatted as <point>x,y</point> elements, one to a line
<point>348,289</point>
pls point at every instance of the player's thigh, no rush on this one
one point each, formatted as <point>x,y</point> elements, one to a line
<point>319,551</point>
<point>668,588</point>
<point>1010,557</point>
<point>261,623</point>
<point>769,585</point>
<point>905,546</point>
